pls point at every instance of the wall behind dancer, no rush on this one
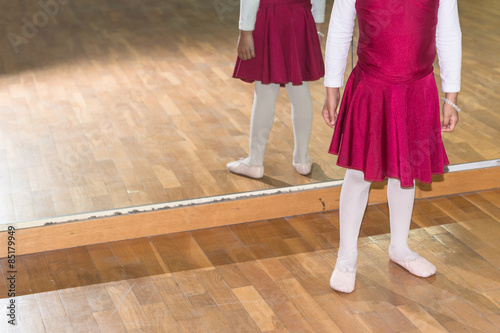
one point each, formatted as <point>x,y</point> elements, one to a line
<point>388,125</point>
<point>279,46</point>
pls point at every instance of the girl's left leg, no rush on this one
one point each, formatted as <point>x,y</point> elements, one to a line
<point>400,202</point>
<point>302,116</point>
<point>264,102</point>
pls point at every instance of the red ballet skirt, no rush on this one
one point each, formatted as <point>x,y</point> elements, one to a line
<point>389,119</point>
<point>286,43</point>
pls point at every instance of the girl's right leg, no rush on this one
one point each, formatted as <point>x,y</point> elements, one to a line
<point>353,201</point>
<point>260,125</point>
<point>302,117</point>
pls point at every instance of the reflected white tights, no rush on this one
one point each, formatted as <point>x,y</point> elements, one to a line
<point>353,201</point>
<point>263,116</point>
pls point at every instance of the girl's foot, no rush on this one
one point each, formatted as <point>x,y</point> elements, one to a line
<point>343,279</point>
<point>416,265</point>
<point>241,168</point>
<point>304,168</point>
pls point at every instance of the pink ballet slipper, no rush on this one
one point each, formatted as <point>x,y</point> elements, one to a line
<point>343,280</point>
<point>304,168</point>
<point>241,168</point>
<point>417,266</point>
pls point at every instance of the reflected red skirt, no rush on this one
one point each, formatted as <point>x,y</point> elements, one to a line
<point>390,129</point>
<point>287,47</point>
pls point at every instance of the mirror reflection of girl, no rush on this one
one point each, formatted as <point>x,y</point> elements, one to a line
<point>388,125</point>
<point>279,45</point>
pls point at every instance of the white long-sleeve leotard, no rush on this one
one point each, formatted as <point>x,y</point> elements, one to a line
<point>448,43</point>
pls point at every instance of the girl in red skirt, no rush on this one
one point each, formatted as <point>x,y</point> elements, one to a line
<point>279,46</point>
<point>388,124</point>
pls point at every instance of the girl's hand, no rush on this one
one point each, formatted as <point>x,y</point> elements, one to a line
<point>331,102</point>
<point>450,115</point>
<point>245,45</point>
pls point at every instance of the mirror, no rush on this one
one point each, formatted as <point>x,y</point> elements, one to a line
<point>112,104</point>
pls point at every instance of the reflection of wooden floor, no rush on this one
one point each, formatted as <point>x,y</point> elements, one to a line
<point>115,104</point>
<point>273,274</point>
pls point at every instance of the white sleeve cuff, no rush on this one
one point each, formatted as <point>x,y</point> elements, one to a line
<point>450,88</point>
<point>334,82</point>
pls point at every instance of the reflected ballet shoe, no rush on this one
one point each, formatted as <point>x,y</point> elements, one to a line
<point>418,266</point>
<point>343,280</point>
<point>241,168</point>
<point>304,168</point>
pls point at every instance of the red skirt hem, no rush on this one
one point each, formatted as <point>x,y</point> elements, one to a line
<point>388,129</point>
<point>383,178</point>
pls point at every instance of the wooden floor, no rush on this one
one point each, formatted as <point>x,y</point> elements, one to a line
<point>272,276</point>
<point>113,104</point>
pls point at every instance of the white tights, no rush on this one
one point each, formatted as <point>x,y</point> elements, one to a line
<point>353,201</point>
<point>263,117</point>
